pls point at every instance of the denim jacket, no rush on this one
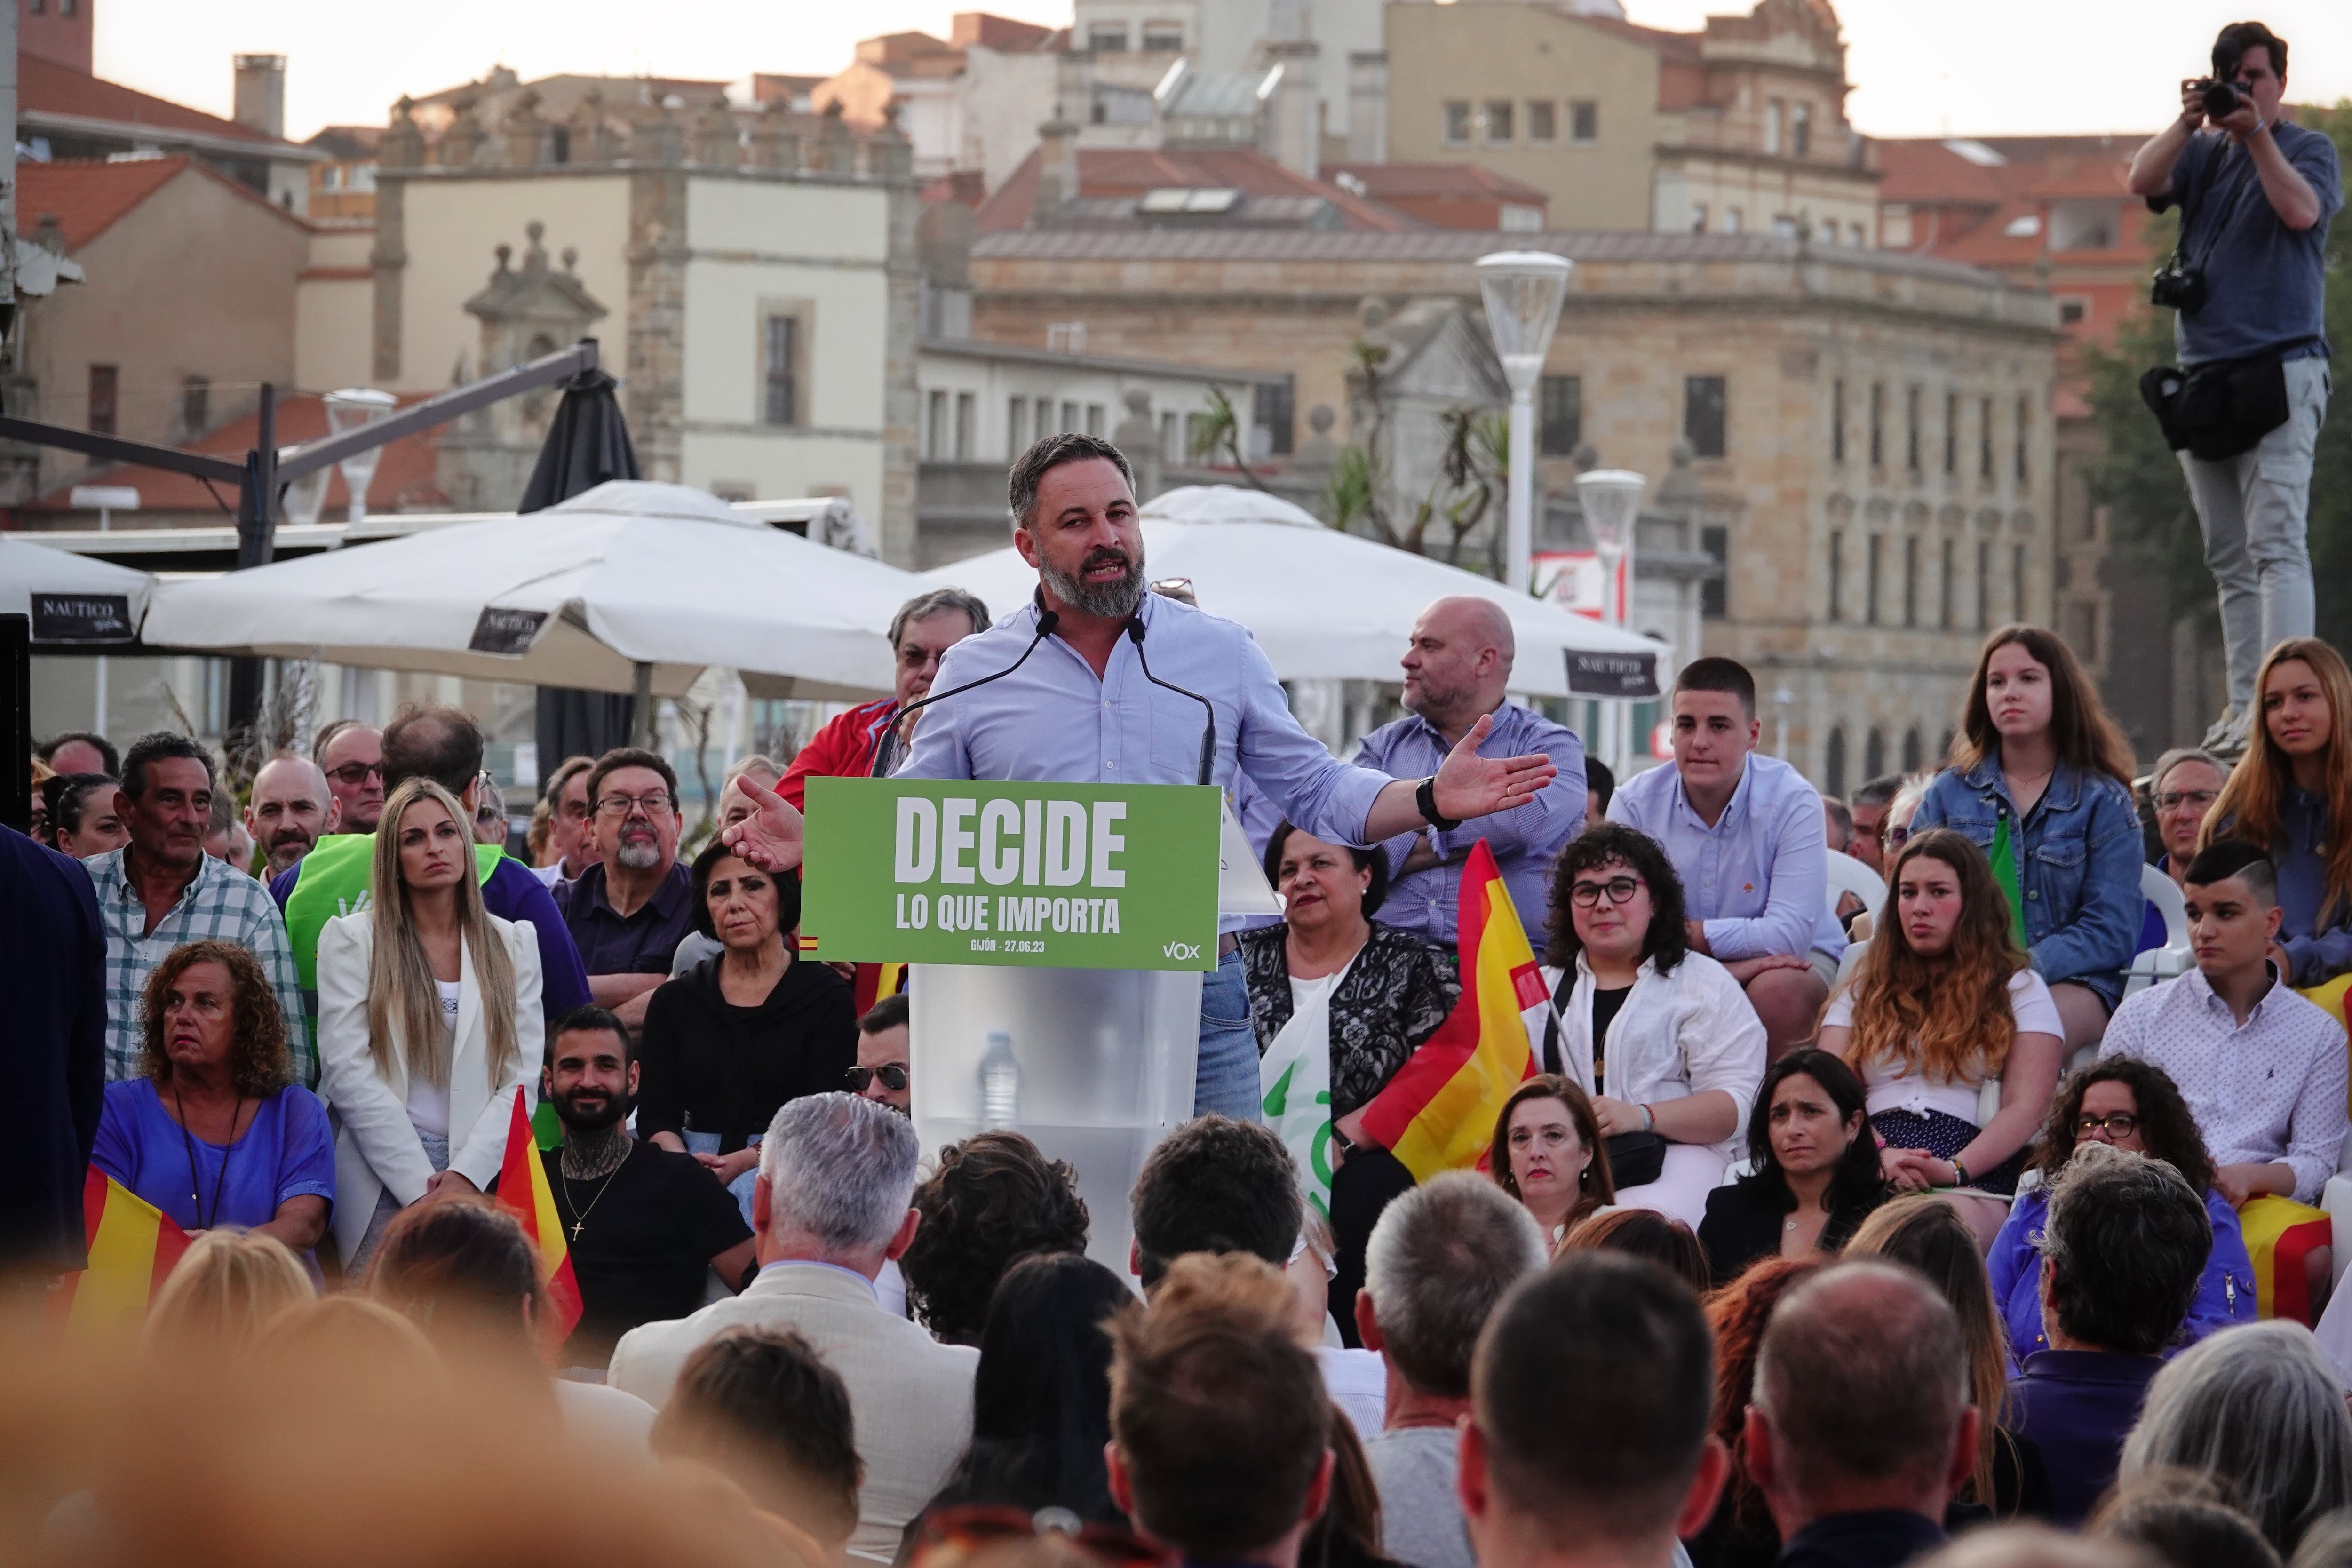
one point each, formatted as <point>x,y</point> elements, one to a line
<point>2319,954</point>
<point>2078,866</point>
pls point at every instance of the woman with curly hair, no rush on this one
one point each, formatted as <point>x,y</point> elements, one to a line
<point>215,1132</point>
<point>2134,1106</point>
<point>1943,1004</point>
<point>1661,1037</point>
<point>993,1199</point>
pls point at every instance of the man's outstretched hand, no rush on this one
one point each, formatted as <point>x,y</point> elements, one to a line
<point>1471,786</point>
<point>770,837</point>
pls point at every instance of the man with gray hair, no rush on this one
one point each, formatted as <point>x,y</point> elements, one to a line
<point>925,628</point>
<point>1439,1259</point>
<point>832,1203</point>
<point>1861,1426</point>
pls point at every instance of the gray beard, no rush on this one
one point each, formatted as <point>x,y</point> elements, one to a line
<point>1104,601</point>
<point>638,856</point>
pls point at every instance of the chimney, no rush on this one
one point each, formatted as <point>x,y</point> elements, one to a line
<point>1058,164</point>
<point>261,94</point>
<point>1291,129</point>
<point>1368,106</point>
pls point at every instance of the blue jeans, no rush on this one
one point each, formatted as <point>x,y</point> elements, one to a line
<point>1224,1078</point>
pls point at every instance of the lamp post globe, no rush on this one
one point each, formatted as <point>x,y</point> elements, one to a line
<point>348,410</point>
<point>1522,290</point>
<point>1612,499</point>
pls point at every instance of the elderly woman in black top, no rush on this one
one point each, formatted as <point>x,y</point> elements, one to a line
<point>1379,993</point>
<point>1813,1169</point>
<point>735,1038</point>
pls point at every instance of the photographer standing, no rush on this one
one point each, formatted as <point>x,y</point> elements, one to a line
<point>2256,193</point>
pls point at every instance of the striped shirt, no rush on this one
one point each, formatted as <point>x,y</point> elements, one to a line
<point>221,904</point>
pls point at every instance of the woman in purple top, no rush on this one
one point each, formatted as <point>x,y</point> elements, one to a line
<point>216,1133</point>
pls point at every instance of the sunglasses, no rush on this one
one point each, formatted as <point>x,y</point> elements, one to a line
<point>956,1534</point>
<point>351,775</point>
<point>894,1079</point>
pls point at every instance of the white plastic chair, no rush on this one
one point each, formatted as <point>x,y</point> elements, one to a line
<point>2336,1199</point>
<point>2174,958</point>
<point>1848,875</point>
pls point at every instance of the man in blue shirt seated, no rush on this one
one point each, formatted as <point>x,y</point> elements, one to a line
<point>2122,1253</point>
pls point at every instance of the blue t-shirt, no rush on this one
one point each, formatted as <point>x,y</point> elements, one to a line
<point>287,1151</point>
<point>2264,282</point>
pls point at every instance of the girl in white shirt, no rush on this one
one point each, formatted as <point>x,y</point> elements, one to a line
<point>1954,1037</point>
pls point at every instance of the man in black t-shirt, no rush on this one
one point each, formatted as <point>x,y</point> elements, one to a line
<point>644,1225</point>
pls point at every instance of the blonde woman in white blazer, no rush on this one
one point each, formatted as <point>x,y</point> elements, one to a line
<point>1684,1051</point>
<point>429,1024</point>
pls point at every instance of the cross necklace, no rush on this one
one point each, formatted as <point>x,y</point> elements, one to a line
<point>580,1217</point>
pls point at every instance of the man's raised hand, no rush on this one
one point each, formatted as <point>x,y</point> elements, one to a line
<point>770,837</point>
<point>1471,786</point>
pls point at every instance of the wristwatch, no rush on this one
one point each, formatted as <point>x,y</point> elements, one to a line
<point>1424,800</point>
<point>1347,1146</point>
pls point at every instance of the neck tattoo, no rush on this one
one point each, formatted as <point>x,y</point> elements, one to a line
<point>599,1152</point>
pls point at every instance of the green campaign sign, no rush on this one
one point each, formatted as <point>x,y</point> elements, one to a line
<point>982,871</point>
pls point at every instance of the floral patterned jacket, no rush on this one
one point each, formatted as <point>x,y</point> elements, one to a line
<point>1401,989</point>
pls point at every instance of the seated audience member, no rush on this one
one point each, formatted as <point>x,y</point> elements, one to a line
<point>39,774</point>
<point>1942,1002</point>
<point>1644,1233</point>
<point>883,1038</point>
<point>1742,1534</point>
<point>1041,1398</point>
<point>628,911</point>
<point>1215,1185</point>
<point>82,818</point>
<point>743,1033</point>
<point>1351,1532</point>
<point>80,751</point>
<point>2032,1546</point>
<point>645,1227</point>
<point>1600,788</point>
<point>2126,1242</point>
<point>1588,1441</point>
<point>490,825</point>
<point>1813,1170</point>
<point>1861,1430</point>
<point>428,1020</point>
<point>2130,1105</point>
<point>1660,1034</point>
<point>1220,1433</point>
<point>225,838</point>
<point>539,842</point>
<point>1744,832</point>
<point>215,1132</point>
<point>925,628</point>
<point>289,809</point>
<point>1358,994</point>
<point>2040,780</point>
<point>734,805</point>
<point>572,834</point>
<point>1548,1152</point>
<point>226,1287</point>
<point>1441,1258</point>
<point>1354,1377</point>
<point>2182,787</point>
<point>351,756</point>
<point>992,1198</point>
<point>1895,831</point>
<point>1867,808</point>
<point>2258,1410</point>
<point>2326,1545</point>
<point>2264,1068</point>
<point>2189,1525</point>
<point>761,1407</point>
<point>1837,825</point>
<point>831,1206</point>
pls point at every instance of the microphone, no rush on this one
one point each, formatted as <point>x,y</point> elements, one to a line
<point>1209,733</point>
<point>886,749</point>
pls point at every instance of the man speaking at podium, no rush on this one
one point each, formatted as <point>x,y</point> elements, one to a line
<point>1098,681</point>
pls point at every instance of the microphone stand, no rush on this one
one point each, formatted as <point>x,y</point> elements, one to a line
<point>1209,733</point>
<point>1046,621</point>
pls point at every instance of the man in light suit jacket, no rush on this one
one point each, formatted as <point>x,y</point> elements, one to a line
<point>832,1204</point>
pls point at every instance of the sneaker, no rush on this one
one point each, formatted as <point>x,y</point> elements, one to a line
<point>2227,739</point>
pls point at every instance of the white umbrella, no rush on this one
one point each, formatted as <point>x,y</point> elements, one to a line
<point>71,598</point>
<point>628,574</point>
<point>1322,604</point>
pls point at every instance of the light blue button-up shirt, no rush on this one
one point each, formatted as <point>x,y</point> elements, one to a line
<point>1759,879</point>
<point>1525,839</point>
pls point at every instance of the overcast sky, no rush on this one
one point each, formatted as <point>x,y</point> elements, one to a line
<point>1976,67</point>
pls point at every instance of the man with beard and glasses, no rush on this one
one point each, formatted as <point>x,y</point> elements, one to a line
<point>290,809</point>
<point>628,912</point>
<point>1073,514</point>
<point>643,1223</point>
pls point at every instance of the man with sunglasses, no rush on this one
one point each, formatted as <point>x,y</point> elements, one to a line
<point>882,1050</point>
<point>351,756</point>
<point>628,912</point>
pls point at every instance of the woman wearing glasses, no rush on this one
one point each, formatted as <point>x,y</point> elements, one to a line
<point>2134,1106</point>
<point>1663,1038</point>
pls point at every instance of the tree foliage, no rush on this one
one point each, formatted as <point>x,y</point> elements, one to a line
<point>1473,473</point>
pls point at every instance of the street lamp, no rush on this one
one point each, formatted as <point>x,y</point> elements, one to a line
<point>348,410</point>
<point>1612,499</point>
<point>1522,289</point>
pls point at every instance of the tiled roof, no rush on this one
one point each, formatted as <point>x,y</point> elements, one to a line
<point>44,87</point>
<point>1440,182</point>
<point>87,196</point>
<point>1131,172</point>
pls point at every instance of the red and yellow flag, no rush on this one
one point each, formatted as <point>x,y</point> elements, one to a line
<point>1438,1113</point>
<point>133,1245</point>
<point>876,981</point>
<point>524,1193</point>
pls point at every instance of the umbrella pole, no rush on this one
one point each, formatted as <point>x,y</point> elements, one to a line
<point>641,708</point>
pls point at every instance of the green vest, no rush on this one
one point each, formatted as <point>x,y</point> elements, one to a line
<point>334,880</point>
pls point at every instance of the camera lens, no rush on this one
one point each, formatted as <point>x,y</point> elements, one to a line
<point>2222,98</point>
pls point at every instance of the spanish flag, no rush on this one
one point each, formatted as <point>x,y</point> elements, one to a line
<point>876,981</point>
<point>524,1193</point>
<point>133,1245</point>
<point>1438,1113</point>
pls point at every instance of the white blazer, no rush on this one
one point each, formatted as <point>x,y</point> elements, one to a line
<point>376,1146</point>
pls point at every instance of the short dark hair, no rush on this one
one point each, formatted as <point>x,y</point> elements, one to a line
<point>1717,674</point>
<point>760,1404</point>
<point>2227,857</point>
<point>1047,454</point>
<point>1373,859</point>
<point>1877,791</point>
<point>1594,1388</point>
<point>2126,1241</point>
<point>443,744</point>
<point>47,750</point>
<point>889,1013</point>
<point>590,1019</point>
<point>1839,814</point>
<point>788,889</point>
<point>468,1256</point>
<point>632,757</point>
<point>2232,42</point>
<point>1600,781</point>
<point>1215,1184</point>
<point>923,606</point>
<point>161,745</point>
<point>65,798</point>
<point>1614,844</point>
<point>1863,1374</point>
<point>994,1197</point>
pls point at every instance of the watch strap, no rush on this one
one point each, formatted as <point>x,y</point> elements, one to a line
<point>1424,799</point>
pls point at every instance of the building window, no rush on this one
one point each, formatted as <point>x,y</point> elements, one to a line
<point>1800,131</point>
<point>1837,575</point>
<point>1911,746</point>
<point>2017,583</point>
<point>967,417</point>
<point>1169,451</point>
<point>2071,312</point>
<point>1016,427</point>
<point>1704,415</point>
<point>1877,424</point>
<point>1951,432</point>
<point>196,405</point>
<point>1774,111</point>
<point>1163,38</point>
<point>1044,425</point>
<point>935,426</point>
<point>1543,119</point>
<point>1874,754</point>
<point>1270,411</point>
<point>1732,219</point>
<point>1094,418</point>
<point>1855,236</point>
<point>1108,40</point>
<point>1834,761</point>
<point>1584,120</point>
<point>781,402</point>
<point>1911,430</point>
<point>1195,432</point>
<point>1877,548</point>
<point>2024,433</point>
<point>1069,418</point>
<point>1910,580</point>
<point>1561,428</point>
<point>105,380</point>
<point>1984,585</point>
<point>1944,587</point>
<point>1837,422</point>
<point>1457,125</point>
<point>1984,439</point>
<point>1715,592</point>
<point>1498,122</point>
<point>1698,217</point>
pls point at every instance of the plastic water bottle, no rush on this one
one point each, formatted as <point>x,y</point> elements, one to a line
<point>1000,1083</point>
